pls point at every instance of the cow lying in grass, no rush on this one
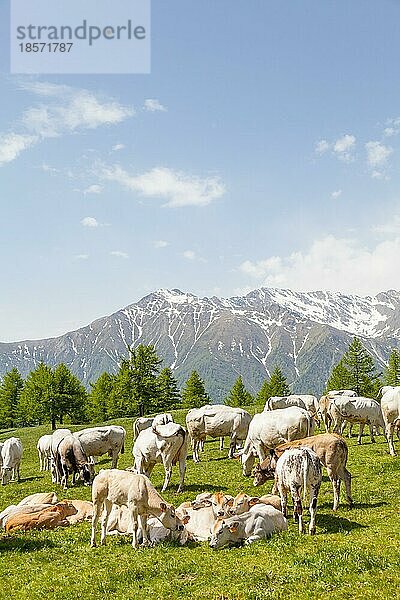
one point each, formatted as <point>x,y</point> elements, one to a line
<point>243,503</point>
<point>47,518</point>
<point>332,451</point>
<point>256,524</point>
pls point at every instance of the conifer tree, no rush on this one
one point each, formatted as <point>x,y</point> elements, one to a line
<point>10,393</point>
<point>360,365</point>
<point>239,396</point>
<point>70,396</point>
<point>339,379</point>
<point>99,398</point>
<point>392,372</point>
<point>168,396</point>
<point>37,402</point>
<point>263,394</point>
<point>278,385</point>
<point>194,394</point>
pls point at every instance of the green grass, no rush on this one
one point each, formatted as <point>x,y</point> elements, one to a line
<point>355,554</point>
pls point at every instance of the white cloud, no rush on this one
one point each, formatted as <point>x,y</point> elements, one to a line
<point>153,105</point>
<point>342,148</point>
<point>393,127</point>
<point>338,264</point>
<point>48,169</point>
<point>377,154</point>
<point>93,189</point>
<point>12,144</point>
<point>322,146</point>
<point>336,194</point>
<point>67,111</point>
<point>392,227</point>
<point>160,244</point>
<point>119,254</point>
<point>90,222</point>
<point>118,147</point>
<point>81,256</point>
<point>177,188</point>
<point>189,254</point>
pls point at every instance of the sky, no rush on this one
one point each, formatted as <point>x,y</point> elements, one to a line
<point>263,149</point>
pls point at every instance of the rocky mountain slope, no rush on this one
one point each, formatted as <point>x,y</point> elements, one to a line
<point>303,333</point>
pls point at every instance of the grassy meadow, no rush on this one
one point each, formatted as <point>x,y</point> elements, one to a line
<point>355,553</point>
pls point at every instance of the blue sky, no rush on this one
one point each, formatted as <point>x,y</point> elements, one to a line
<point>263,149</point>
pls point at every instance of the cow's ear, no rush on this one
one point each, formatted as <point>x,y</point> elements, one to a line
<point>186,519</point>
<point>229,502</point>
<point>163,506</point>
<point>254,501</point>
<point>233,527</point>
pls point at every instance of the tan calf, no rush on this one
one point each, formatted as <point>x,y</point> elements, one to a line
<point>48,518</point>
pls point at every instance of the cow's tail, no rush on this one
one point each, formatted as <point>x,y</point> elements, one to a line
<point>135,429</point>
<point>123,443</point>
<point>183,447</point>
<point>306,467</point>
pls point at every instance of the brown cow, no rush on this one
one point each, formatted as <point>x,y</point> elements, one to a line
<point>332,451</point>
<point>48,518</point>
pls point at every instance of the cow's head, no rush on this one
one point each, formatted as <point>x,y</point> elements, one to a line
<point>266,470</point>
<point>219,502</point>
<point>247,459</point>
<point>86,474</point>
<point>5,475</point>
<point>224,533</point>
<point>242,503</point>
<point>169,519</point>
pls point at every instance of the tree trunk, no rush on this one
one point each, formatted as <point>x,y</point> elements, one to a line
<point>53,422</point>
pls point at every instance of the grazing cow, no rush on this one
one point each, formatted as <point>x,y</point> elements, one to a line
<point>356,410</point>
<point>390,405</point>
<point>243,502</point>
<point>259,523</point>
<point>271,428</point>
<point>44,451</point>
<point>47,518</point>
<point>97,441</point>
<point>162,443</point>
<point>56,438</point>
<point>332,451</point>
<point>276,402</point>
<point>71,458</point>
<point>11,454</point>
<point>137,493</point>
<point>299,469</point>
<point>119,523</point>
<point>217,423</point>
<point>142,423</point>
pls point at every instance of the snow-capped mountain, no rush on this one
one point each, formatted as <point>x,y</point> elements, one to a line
<point>303,333</point>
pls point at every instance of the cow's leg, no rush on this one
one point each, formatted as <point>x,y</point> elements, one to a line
<point>18,474</point>
<point>114,459</point>
<point>389,435</point>
<point>97,508</point>
<point>313,507</point>
<point>134,520</point>
<point>350,435</point>
<point>40,461</point>
<point>196,444</point>
<point>145,532</point>
<point>168,472</point>
<point>232,446</point>
<point>297,506</point>
<point>346,477</point>
<point>371,432</point>
<point>283,495</point>
<point>221,443</point>
<point>182,471</point>
<point>107,506</point>
<point>336,487</point>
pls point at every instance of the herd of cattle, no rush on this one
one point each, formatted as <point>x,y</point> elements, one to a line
<point>281,437</point>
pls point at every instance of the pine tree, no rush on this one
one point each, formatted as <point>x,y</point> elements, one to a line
<point>168,392</point>
<point>360,365</point>
<point>10,393</point>
<point>120,402</point>
<point>69,395</point>
<point>263,394</point>
<point>278,385</point>
<point>194,394</point>
<point>339,379</point>
<point>239,396</point>
<point>99,398</point>
<point>37,402</point>
<point>392,372</point>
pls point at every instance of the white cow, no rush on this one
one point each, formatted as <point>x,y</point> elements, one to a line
<point>97,441</point>
<point>276,402</point>
<point>390,405</point>
<point>259,523</point>
<point>272,428</point>
<point>299,469</point>
<point>356,410</point>
<point>119,523</point>
<point>350,393</point>
<point>44,450</point>
<point>217,423</point>
<point>166,444</point>
<point>325,403</point>
<point>142,423</point>
<point>11,454</point>
<point>137,493</point>
<point>56,438</point>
